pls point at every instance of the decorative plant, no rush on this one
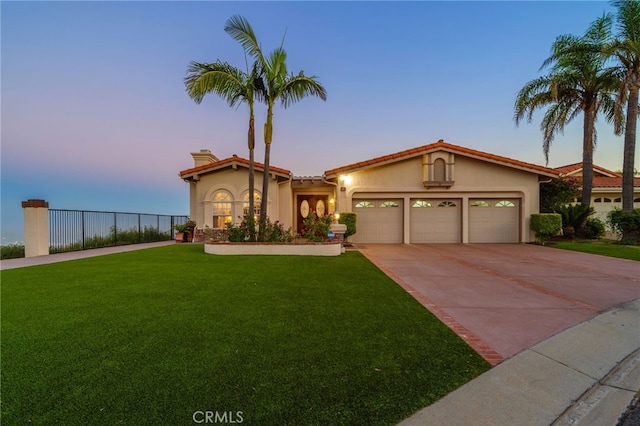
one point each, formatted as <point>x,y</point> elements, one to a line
<point>546,225</point>
<point>574,217</point>
<point>273,232</point>
<point>188,226</point>
<point>349,219</point>
<point>316,228</point>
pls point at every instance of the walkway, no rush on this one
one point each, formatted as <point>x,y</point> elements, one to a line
<point>73,255</point>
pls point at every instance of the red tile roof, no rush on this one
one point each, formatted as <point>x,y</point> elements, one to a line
<point>570,168</point>
<point>230,162</point>
<point>612,182</point>
<point>441,145</point>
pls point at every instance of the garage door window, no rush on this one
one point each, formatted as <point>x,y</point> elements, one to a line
<point>447,203</point>
<point>389,204</point>
<point>505,203</point>
<point>364,204</point>
<point>479,203</point>
<point>421,204</point>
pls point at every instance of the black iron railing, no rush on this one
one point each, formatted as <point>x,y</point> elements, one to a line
<point>72,230</point>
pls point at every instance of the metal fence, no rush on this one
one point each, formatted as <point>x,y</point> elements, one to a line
<point>72,230</point>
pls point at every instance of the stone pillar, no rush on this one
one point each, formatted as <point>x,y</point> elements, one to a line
<point>36,227</point>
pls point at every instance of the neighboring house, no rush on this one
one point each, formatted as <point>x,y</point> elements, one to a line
<point>607,188</point>
<point>436,193</point>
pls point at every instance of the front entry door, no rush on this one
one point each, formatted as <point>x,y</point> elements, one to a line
<point>306,204</point>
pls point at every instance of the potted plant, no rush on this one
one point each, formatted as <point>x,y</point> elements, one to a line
<point>184,231</point>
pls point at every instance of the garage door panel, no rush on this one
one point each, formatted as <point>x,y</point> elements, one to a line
<point>378,221</point>
<point>435,221</point>
<point>494,221</point>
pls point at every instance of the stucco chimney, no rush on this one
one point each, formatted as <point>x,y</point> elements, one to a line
<point>203,157</point>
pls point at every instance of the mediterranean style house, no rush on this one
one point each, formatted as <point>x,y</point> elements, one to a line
<point>436,193</point>
<point>607,188</point>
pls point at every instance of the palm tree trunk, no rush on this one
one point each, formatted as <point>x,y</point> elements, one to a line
<point>268,130</point>
<point>629,149</point>
<point>252,144</point>
<point>587,155</point>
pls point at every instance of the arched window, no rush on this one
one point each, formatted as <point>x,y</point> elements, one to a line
<point>607,200</point>
<point>505,203</point>
<point>617,200</point>
<point>439,170</point>
<point>222,208</point>
<point>446,203</point>
<point>364,204</point>
<point>479,203</point>
<point>389,204</point>
<point>257,198</point>
<point>421,204</point>
<point>597,200</point>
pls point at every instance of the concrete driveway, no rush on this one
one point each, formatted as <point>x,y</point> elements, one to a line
<point>504,298</point>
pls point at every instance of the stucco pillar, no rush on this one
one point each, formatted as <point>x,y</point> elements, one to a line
<point>36,227</point>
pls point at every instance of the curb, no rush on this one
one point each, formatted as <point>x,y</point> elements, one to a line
<point>606,401</point>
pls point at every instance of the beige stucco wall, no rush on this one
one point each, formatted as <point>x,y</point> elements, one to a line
<point>236,182</point>
<point>472,179</point>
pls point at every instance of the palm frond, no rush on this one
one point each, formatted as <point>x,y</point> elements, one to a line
<point>239,29</point>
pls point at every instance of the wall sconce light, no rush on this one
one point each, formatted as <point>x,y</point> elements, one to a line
<point>346,179</point>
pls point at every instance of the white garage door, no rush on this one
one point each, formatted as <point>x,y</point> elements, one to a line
<point>378,221</point>
<point>435,221</point>
<point>494,221</point>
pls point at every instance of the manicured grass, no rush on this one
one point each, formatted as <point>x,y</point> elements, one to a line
<point>604,248</point>
<point>152,336</point>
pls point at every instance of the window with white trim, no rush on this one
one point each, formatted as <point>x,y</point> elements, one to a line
<point>446,203</point>
<point>364,204</point>
<point>421,204</point>
<point>479,203</point>
<point>505,203</point>
<point>389,204</point>
<point>257,199</point>
<point>222,203</point>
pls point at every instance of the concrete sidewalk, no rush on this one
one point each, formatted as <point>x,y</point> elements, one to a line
<point>587,374</point>
<point>73,255</point>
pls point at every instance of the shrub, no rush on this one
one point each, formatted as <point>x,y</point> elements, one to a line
<point>274,232</point>
<point>316,228</point>
<point>558,192</point>
<point>349,219</point>
<point>574,217</point>
<point>592,229</point>
<point>626,223</point>
<point>546,225</point>
<point>12,251</point>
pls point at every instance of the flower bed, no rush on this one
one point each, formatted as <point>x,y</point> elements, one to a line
<point>299,249</point>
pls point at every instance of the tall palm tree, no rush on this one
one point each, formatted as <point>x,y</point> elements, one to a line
<point>234,86</point>
<point>626,49</point>
<point>578,82</point>
<point>278,86</point>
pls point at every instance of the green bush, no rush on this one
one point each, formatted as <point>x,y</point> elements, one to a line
<point>592,229</point>
<point>546,225</point>
<point>574,217</point>
<point>316,228</point>
<point>558,192</point>
<point>12,251</point>
<point>349,219</point>
<point>626,223</point>
<point>274,232</point>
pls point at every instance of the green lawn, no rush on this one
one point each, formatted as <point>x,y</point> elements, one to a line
<point>604,248</point>
<point>153,336</point>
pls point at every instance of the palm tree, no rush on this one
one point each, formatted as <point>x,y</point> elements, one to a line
<point>278,86</point>
<point>577,83</point>
<point>235,87</point>
<point>626,49</point>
